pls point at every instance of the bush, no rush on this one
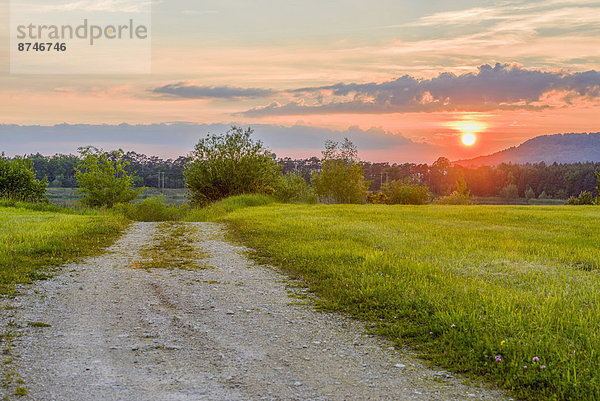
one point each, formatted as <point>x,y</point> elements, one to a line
<point>585,198</point>
<point>379,198</point>
<point>227,165</point>
<point>102,178</point>
<point>342,178</point>
<point>454,198</point>
<point>293,188</point>
<point>152,209</point>
<point>458,197</point>
<point>401,193</point>
<point>17,181</point>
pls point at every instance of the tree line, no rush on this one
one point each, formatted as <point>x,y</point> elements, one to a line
<point>539,180</point>
<point>543,180</point>
<point>59,170</point>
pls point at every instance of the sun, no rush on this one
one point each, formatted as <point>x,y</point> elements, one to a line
<point>469,139</point>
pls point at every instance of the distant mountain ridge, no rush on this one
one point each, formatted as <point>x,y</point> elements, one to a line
<point>559,148</point>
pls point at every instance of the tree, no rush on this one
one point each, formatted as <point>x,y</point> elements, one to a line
<point>18,182</point>
<point>102,178</point>
<point>597,199</point>
<point>438,176</point>
<point>293,188</point>
<point>509,192</point>
<point>342,179</point>
<point>529,194</point>
<point>229,164</point>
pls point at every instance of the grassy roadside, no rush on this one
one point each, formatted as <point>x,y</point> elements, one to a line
<point>505,292</point>
<point>35,237</point>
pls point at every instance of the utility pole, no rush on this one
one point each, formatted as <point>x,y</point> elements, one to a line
<point>387,179</point>
<point>161,181</point>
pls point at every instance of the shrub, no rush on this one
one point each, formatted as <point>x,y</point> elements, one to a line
<point>18,182</point>
<point>102,178</point>
<point>293,188</point>
<point>379,198</point>
<point>458,197</point>
<point>227,165</point>
<point>585,198</point>
<point>152,209</point>
<point>454,198</point>
<point>406,193</point>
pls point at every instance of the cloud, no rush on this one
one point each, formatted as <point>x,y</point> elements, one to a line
<point>178,139</point>
<point>540,33</point>
<point>502,87</point>
<point>187,91</point>
<point>549,13</point>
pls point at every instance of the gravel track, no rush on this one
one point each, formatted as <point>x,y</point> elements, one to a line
<point>228,332</point>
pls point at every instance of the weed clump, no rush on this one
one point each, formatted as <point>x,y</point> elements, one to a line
<point>152,209</point>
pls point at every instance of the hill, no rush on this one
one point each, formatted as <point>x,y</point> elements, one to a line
<point>559,148</point>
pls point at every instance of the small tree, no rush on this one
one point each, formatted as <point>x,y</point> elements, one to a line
<point>18,182</point>
<point>102,178</point>
<point>529,194</point>
<point>229,164</point>
<point>342,178</point>
<point>509,192</point>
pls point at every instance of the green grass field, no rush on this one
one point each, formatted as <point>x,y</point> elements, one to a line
<point>508,293</point>
<point>33,240</point>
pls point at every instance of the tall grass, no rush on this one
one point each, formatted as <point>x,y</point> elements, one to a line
<point>35,237</point>
<point>152,209</point>
<point>220,208</point>
<point>505,292</point>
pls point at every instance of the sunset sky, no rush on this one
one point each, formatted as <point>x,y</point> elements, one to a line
<point>404,79</point>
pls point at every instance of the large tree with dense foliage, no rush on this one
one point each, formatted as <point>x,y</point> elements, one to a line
<point>18,182</point>
<point>229,164</point>
<point>102,178</point>
<point>342,178</point>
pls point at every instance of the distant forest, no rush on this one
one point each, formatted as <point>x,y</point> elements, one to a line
<point>557,181</point>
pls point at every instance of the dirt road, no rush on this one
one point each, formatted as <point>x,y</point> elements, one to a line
<point>105,330</point>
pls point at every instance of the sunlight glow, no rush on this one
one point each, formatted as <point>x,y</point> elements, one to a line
<point>469,139</point>
<point>468,126</point>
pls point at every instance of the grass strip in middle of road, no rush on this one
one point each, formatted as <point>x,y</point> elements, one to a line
<point>172,248</point>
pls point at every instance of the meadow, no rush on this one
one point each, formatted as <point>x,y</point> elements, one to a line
<point>34,238</point>
<point>504,293</point>
<point>507,293</point>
